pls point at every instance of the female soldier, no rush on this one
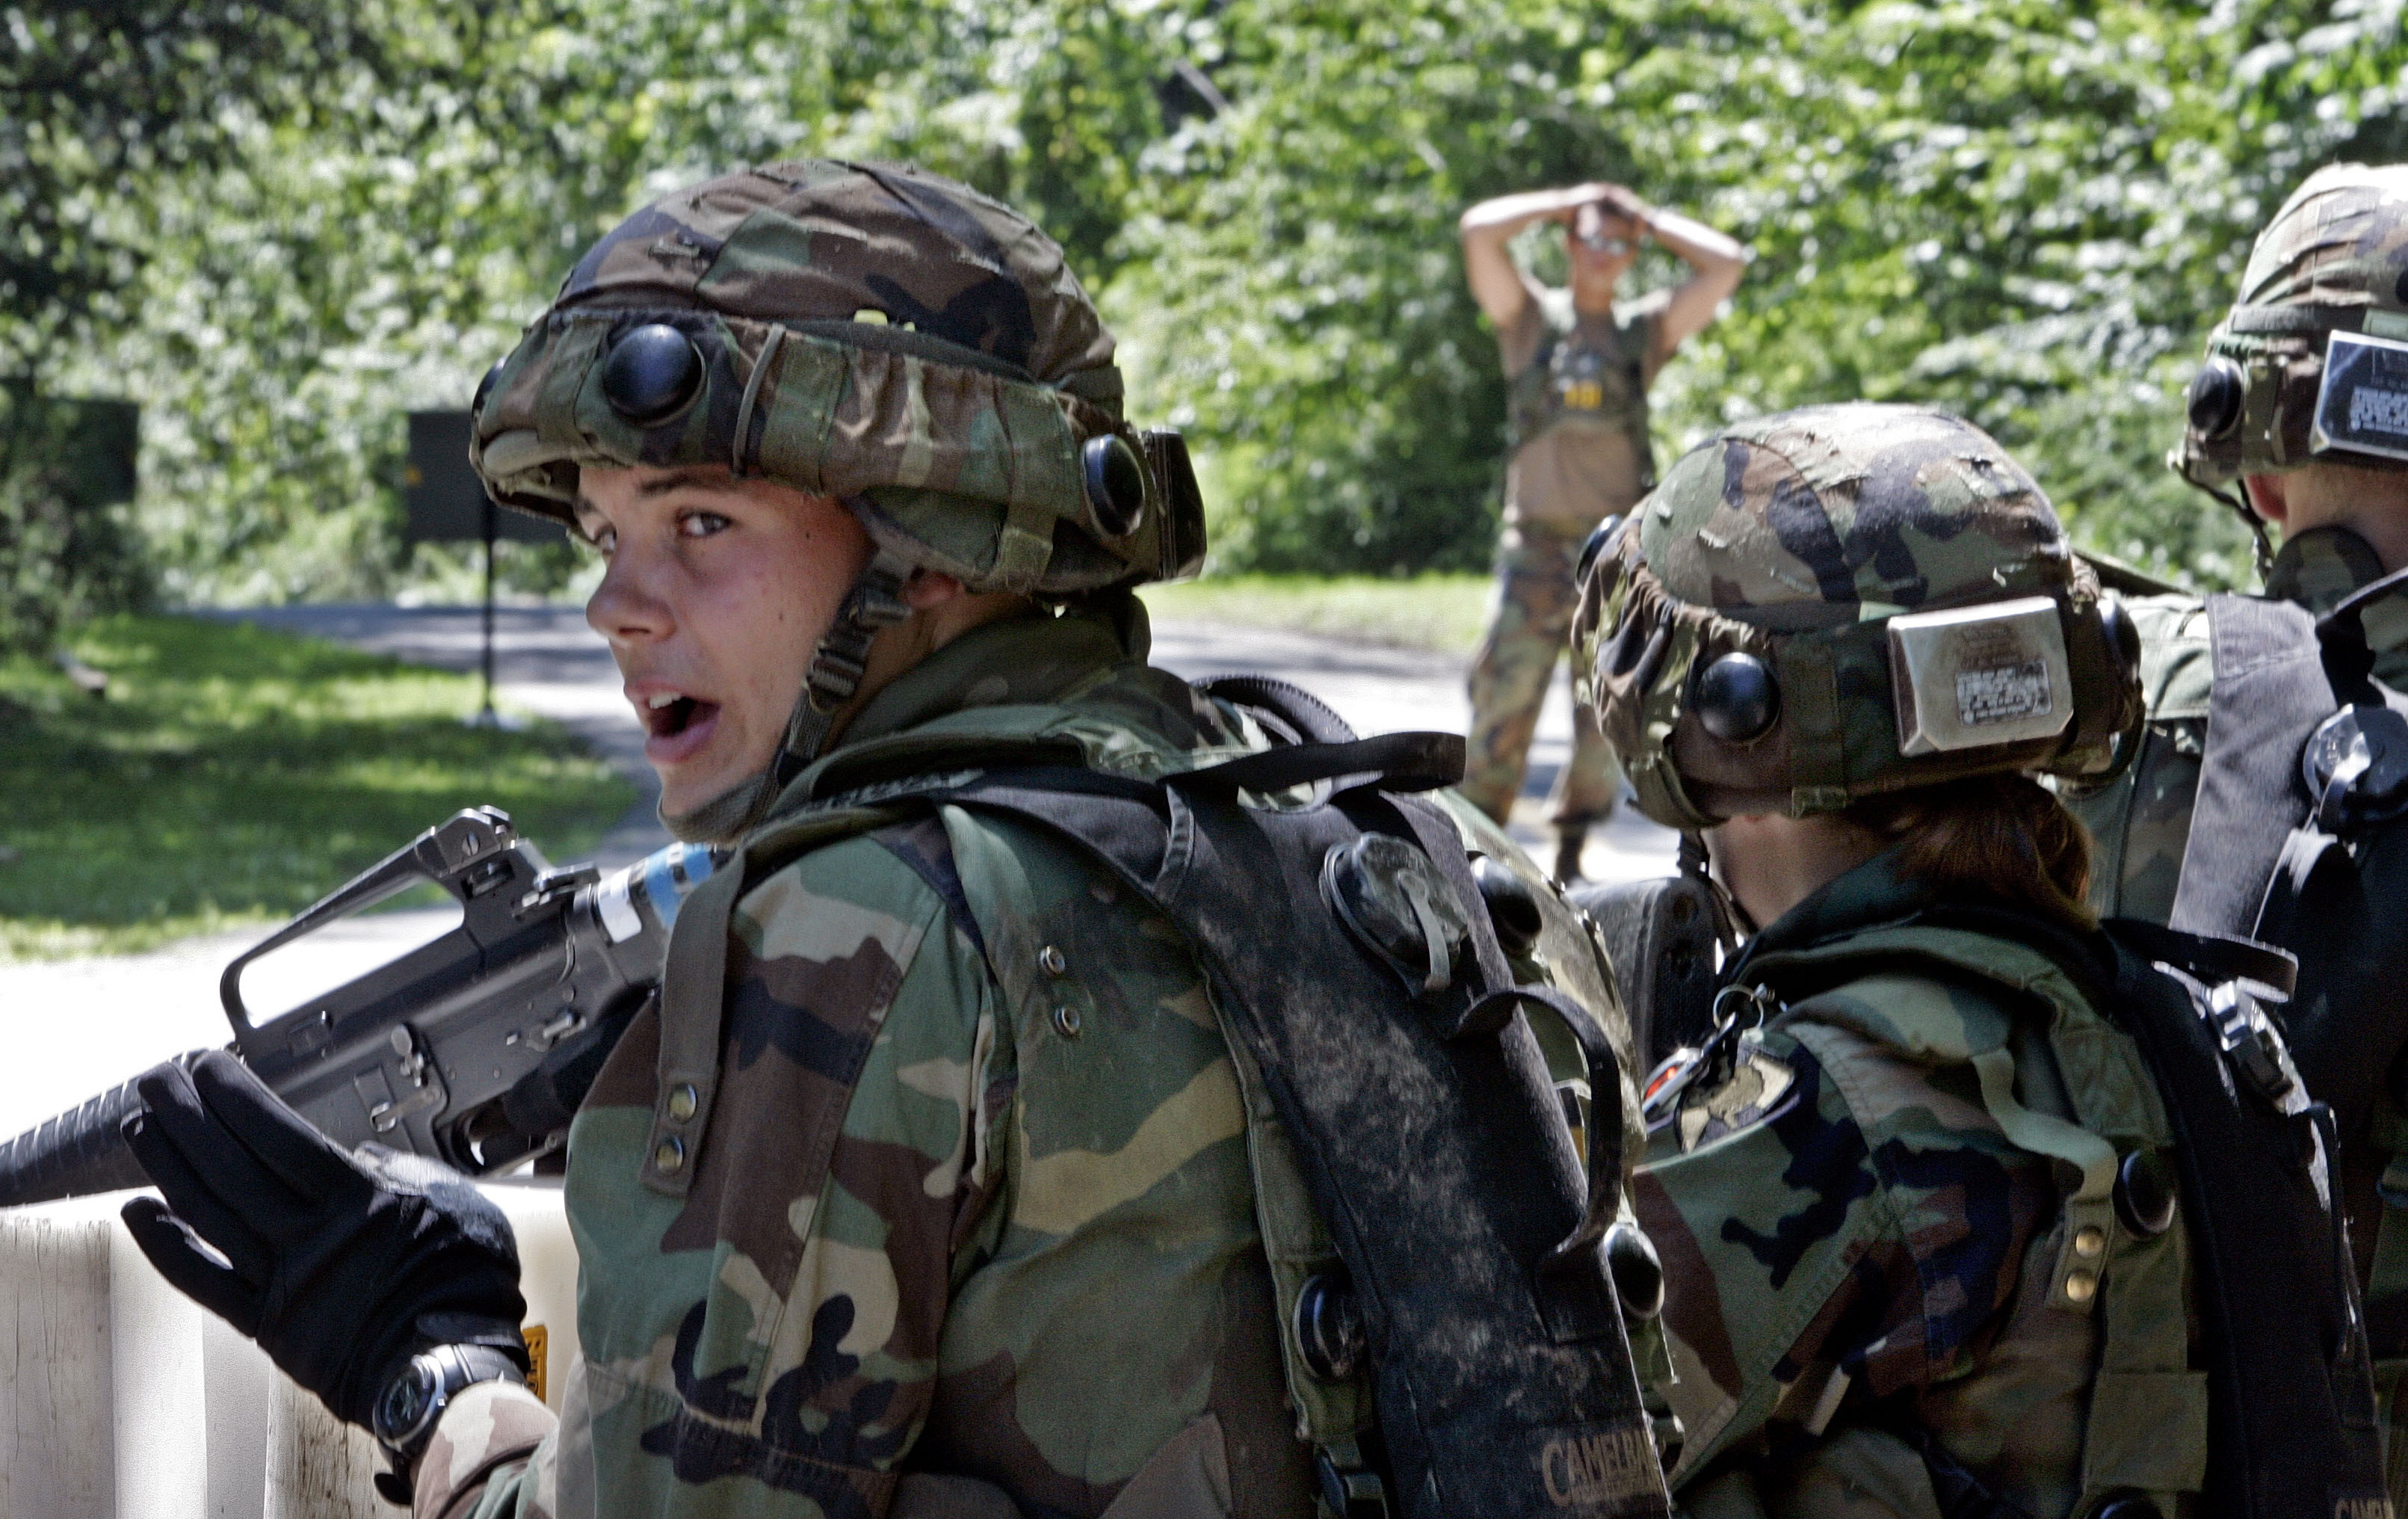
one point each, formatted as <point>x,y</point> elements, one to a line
<point>1914,1197</point>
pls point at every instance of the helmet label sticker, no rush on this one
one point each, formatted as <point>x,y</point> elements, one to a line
<point>2362,403</point>
<point>2003,693</point>
<point>1973,677</point>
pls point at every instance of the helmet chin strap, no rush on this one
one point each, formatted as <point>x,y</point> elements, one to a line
<point>2234,498</point>
<point>838,660</point>
<point>1732,924</point>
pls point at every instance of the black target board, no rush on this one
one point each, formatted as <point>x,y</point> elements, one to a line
<point>447,502</point>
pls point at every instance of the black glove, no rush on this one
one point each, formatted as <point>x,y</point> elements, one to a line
<point>341,1266</point>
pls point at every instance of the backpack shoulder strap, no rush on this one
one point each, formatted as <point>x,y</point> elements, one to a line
<point>1309,717</point>
<point>2271,693</point>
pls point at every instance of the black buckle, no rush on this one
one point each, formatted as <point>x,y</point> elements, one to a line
<point>2356,768</point>
<point>1349,1488</point>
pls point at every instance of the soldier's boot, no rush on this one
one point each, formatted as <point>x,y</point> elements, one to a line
<point>1570,843</point>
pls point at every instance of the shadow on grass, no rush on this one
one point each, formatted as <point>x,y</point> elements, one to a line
<point>235,775</point>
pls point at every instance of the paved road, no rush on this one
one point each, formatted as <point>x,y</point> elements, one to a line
<point>78,1026</point>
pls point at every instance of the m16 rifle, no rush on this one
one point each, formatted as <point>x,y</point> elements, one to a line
<point>474,1049</point>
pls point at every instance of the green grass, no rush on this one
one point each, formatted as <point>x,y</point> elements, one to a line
<point>1445,613</point>
<point>234,775</point>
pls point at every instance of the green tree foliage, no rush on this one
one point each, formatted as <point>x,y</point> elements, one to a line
<point>97,98</point>
<point>2029,211</point>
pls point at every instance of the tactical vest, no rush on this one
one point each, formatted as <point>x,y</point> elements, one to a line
<point>1596,373</point>
<point>1453,1336</point>
<point>2167,1054</point>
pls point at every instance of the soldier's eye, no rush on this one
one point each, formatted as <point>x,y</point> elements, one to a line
<point>700,524</point>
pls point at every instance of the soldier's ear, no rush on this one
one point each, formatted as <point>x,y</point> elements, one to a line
<point>928,589</point>
<point>2268,497</point>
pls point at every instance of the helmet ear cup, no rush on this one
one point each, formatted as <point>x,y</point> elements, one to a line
<point>2122,637</point>
<point>2217,393</point>
<point>2104,645</point>
<point>2123,641</point>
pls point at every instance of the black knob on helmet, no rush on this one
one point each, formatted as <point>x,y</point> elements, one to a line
<point>2215,395</point>
<point>484,388</point>
<point>1596,545</point>
<point>1115,483</point>
<point>1737,698</point>
<point>652,374</point>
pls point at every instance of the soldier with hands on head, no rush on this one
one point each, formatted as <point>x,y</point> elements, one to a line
<point>953,1170</point>
<point>2262,800</point>
<point>1947,1198</point>
<point>1579,360</point>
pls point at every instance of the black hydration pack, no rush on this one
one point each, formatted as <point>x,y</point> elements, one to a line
<point>2291,1414</point>
<point>1351,951</point>
<point>2297,839</point>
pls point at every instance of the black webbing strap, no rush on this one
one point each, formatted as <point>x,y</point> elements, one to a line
<point>1395,761</point>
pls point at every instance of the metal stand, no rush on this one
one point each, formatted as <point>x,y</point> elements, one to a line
<point>486,717</point>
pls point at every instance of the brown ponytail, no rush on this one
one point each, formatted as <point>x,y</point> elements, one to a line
<point>2001,836</point>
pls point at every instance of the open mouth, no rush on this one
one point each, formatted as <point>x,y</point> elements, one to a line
<point>676,726</point>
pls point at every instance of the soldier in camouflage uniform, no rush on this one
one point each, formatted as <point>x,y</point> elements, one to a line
<point>977,1229</point>
<point>1893,1283</point>
<point>1580,364</point>
<point>2334,259</point>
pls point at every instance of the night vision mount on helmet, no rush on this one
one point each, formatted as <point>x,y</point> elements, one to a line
<point>863,331</point>
<point>1842,601</point>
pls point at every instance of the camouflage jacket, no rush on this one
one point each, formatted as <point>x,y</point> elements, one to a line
<point>1031,1255</point>
<point>2141,824</point>
<point>1865,1228</point>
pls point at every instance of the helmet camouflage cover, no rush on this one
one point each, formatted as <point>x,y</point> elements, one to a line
<point>1841,601</point>
<point>865,331</point>
<point>2333,259</point>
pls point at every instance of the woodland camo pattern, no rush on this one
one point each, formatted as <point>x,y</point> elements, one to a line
<point>1034,1259</point>
<point>1859,1254</point>
<point>2330,261</point>
<point>868,331</point>
<point>1792,538</point>
<point>1034,1263</point>
<point>1836,514</point>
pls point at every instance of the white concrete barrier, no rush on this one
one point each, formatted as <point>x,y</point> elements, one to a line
<point>121,1399</point>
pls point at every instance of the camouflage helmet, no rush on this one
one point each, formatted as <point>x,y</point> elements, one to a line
<point>865,331</point>
<point>1841,601</point>
<point>2334,259</point>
